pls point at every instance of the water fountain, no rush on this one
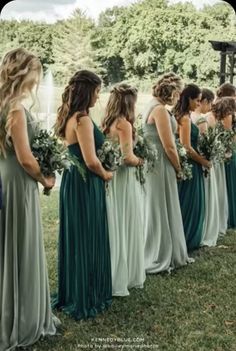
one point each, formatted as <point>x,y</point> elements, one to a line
<point>47,100</point>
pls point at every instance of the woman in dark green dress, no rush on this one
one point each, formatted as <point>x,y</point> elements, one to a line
<point>84,285</point>
<point>191,192</point>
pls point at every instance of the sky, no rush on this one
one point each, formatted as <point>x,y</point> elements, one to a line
<point>53,10</point>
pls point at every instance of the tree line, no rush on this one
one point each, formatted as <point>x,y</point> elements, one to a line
<point>135,43</point>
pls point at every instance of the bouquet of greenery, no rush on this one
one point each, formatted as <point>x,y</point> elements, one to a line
<point>147,151</point>
<point>52,155</point>
<point>186,166</point>
<point>110,155</point>
<point>225,143</point>
<point>217,144</point>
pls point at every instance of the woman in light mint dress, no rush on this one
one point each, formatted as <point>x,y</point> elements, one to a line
<point>165,246</point>
<point>223,112</point>
<point>25,310</point>
<point>191,191</point>
<point>125,202</point>
<point>211,222</point>
<point>229,90</point>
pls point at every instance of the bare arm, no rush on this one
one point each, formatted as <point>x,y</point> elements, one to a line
<point>84,133</point>
<point>184,135</point>
<point>19,135</point>
<point>163,125</point>
<point>124,129</point>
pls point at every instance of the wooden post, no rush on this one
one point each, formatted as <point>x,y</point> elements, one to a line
<point>222,66</point>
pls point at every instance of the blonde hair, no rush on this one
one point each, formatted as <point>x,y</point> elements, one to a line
<point>121,103</point>
<point>19,72</point>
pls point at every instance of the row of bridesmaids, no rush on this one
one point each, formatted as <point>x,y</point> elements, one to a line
<point>108,240</point>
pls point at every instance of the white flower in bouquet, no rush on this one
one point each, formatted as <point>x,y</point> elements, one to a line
<point>110,155</point>
<point>186,166</point>
<point>52,155</point>
<point>147,151</point>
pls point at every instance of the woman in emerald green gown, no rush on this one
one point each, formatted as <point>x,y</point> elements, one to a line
<point>84,276</point>
<point>191,192</point>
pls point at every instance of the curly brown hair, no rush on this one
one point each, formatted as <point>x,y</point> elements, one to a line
<point>226,89</point>
<point>166,85</point>
<point>223,107</point>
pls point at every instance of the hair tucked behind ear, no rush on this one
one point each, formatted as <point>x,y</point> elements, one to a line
<point>76,98</point>
<point>191,91</point>
<point>121,103</point>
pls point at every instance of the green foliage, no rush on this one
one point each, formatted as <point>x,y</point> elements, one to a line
<point>135,43</point>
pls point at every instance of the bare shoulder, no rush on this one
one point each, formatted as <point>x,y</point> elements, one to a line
<point>123,125</point>
<point>84,121</point>
<point>185,120</point>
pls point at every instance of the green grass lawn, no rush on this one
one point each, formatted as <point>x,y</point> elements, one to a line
<point>193,309</point>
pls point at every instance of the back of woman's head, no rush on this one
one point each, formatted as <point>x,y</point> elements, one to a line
<point>166,85</point>
<point>224,107</point>
<point>19,72</point>
<point>76,98</point>
<point>207,95</point>
<point>121,103</point>
<point>190,91</point>
<point>226,89</point>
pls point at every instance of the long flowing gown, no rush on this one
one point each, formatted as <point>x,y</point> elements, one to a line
<point>84,266</point>
<point>25,310</point>
<point>222,197</point>
<point>126,231</point>
<point>230,171</point>
<point>165,246</point>
<point>211,223</point>
<point>192,200</point>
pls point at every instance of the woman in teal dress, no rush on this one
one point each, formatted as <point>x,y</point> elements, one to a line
<point>211,223</point>
<point>165,246</point>
<point>191,192</point>
<point>25,309</point>
<point>84,267</point>
<point>125,201</point>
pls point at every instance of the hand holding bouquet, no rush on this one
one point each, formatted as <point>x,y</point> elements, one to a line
<point>110,155</point>
<point>147,151</point>
<point>52,156</point>
<point>186,167</point>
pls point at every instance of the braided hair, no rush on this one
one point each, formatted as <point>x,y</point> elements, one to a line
<point>121,103</point>
<point>76,98</point>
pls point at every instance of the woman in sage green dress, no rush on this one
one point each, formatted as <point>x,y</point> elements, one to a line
<point>165,246</point>
<point>124,198</point>
<point>84,267</point>
<point>211,222</point>
<point>191,191</point>
<point>25,309</point>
